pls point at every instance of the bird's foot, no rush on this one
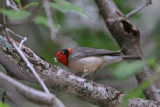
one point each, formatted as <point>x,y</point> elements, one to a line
<point>92,77</point>
<point>79,74</point>
<point>84,75</point>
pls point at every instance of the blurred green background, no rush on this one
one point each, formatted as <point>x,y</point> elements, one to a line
<point>78,23</point>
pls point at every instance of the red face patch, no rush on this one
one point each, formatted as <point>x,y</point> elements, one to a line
<point>62,56</point>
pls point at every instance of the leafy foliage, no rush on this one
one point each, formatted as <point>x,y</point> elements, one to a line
<point>64,6</point>
<point>125,70</point>
<point>96,39</point>
<point>17,1</point>
<point>3,105</point>
<point>43,20</point>
<point>152,61</point>
<point>138,91</point>
<point>15,15</point>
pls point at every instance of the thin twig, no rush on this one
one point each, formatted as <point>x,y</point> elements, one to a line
<point>31,68</point>
<point>139,8</point>
<point>14,33</point>
<point>22,41</point>
<point>4,96</point>
<point>3,15</point>
<point>27,62</point>
<point>5,32</point>
<point>12,4</point>
<point>7,29</point>
<point>50,21</point>
<point>34,13</point>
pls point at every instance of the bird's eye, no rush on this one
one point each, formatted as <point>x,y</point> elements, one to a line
<point>61,52</point>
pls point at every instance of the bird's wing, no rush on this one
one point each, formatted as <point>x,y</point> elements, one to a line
<point>81,52</point>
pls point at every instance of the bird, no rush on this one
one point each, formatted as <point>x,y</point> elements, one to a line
<point>88,60</point>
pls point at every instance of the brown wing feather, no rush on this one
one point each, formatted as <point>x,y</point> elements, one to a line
<point>81,52</point>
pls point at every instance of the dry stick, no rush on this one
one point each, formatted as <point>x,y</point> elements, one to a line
<point>27,62</point>
<point>30,94</point>
<point>4,96</point>
<point>31,68</point>
<point>50,21</point>
<point>58,102</point>
<point>12,4</point>
<point>7,29</point>
<point>24,58</point>
<point>3,15</point>
<point>22,41</point>
<point>139,8</point>
<point>14,33</point>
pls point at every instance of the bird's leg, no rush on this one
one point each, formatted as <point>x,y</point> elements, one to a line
<point>120,50</point>
<point>79,74</point>
<point>85,73</point>
<point>93,75</point>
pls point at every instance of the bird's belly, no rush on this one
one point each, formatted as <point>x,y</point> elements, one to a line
<point>88,64</point>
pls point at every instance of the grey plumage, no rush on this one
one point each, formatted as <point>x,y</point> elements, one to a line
<point>81,52</point>
<point>88,60</point>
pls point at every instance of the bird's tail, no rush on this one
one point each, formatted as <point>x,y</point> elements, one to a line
<point>132,57</point>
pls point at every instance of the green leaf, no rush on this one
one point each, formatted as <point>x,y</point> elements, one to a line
<point>29,5</point>
<point>125,70</point>
<point>43,20</point>
<point>64,6</point>
<point>15,15</point>
<point>152,61</point>
<point>3,105</point>
<point>138,91</point>
<point>17,1</point>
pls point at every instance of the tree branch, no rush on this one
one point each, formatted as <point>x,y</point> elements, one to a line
<point>50,20</point>
<point>25,60</point>
<point>139,8</point>
<point>12,4</point>
<point>59,79</point>
<point>128,37</point>
<point>17,89</point>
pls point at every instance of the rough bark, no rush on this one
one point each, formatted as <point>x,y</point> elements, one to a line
<point>21,94</point>
<point>128,38</point>
<point>59,79</point>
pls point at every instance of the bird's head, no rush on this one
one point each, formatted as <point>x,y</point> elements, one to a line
<point>62,56</point>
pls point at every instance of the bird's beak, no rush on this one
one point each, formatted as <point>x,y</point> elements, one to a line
<point>55,59</point>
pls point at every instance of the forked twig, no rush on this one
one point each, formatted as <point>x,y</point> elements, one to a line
<point>139,8</point>
<point>22,41</point>
<point>5,32</point>
<point>49,18</point>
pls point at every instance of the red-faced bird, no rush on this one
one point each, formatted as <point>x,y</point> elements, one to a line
<point>89,60</point>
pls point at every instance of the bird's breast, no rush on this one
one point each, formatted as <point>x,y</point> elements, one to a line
<point>91,64</point>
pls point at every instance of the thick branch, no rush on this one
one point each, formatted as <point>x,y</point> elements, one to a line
<point>17,89</point>
<point>128,37</point>
<point>59,79</point>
